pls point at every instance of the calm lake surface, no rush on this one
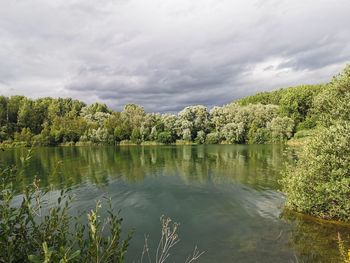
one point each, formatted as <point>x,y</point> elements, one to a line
<point>225,197</point>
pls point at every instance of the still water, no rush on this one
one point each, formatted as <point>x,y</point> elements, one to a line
<point>225,197</point>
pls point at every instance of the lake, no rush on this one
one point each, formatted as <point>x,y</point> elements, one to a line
<point>225,197</point>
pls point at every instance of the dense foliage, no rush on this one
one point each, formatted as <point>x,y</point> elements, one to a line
<point>264,118</point>
<point>319,184</point>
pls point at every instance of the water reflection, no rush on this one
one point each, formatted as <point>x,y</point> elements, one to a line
<point>225,196</point>
<point>253,165</point>
<point>314,240</point>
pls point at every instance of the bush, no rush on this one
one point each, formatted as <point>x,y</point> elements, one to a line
<point>319,184</point>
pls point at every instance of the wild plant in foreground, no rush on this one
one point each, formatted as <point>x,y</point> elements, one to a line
<point>35,228</point>
<point>35,231</point>
<point>344,253</point>
<point>169,238</point>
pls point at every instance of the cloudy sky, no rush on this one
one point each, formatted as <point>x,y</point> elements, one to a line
<point>166,54</point>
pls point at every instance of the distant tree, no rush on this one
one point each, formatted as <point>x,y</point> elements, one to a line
<point>68,129</point>
<point>201,136</point>
<point>13,105</point>
<point>333,103</point>
<point>136,136</point>
<point>165,137</point>
<point>25,136</point>
<point>44,138</point>
<point>296,102</point>
<point>212,138</point>
<point>281,129</point>
<point>194,118</point>
<point>133,115</point>
<point>3,110</point>
<point>234,132</point>
<point>121,132</point>
<point>187,136</point>
<point>154,134</point>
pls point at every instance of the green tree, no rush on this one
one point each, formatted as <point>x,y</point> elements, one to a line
<point>165,137</point>
<point>3,110</point>
<point>187,136</point>
<point>296,102</point>
<point>68,129</point>
<point>195,118</point>
<point>212,138</point>
<point>25,136</point>
<point>281,129</point>
<point>200,137</point>
<point>234,132</point>
<point>333,103</point>
<point>136,136</point>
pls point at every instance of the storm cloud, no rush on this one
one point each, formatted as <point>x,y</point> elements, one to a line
<point>166,54</point>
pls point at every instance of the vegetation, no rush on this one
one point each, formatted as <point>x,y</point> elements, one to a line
<point>268,117</point>
<point>318,114</point>
<point>319,183</point>
<point>344,253</point>
<point>168,239</point>
<point>35,228</point>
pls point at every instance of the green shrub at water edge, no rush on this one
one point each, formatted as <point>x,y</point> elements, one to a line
<point>319,184</point>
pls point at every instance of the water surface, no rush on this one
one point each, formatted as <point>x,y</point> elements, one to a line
<point>225,197</point>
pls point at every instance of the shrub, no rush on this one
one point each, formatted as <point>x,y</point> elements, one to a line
<point>319,184</point>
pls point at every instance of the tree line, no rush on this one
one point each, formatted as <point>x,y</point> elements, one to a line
<point>268,117</point>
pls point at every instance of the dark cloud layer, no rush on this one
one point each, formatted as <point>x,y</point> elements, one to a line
<point>167,54</point>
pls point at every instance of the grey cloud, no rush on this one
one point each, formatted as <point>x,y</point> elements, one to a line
<point>166,55</point>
